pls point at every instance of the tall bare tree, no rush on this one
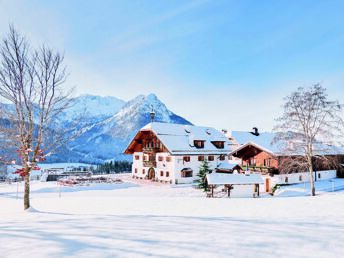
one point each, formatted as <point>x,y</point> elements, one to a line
<point>31,86</point>
<point>309,131</point>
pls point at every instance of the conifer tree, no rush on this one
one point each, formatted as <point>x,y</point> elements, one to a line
<point>202,174</point>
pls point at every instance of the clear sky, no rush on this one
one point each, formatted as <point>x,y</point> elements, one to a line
<point>226,64</point>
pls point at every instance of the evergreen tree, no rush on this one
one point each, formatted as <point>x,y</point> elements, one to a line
<point>202,174</point>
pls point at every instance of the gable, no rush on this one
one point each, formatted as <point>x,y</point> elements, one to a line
<point>179,139</point>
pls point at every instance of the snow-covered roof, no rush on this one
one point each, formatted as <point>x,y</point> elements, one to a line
<point>179,139</point>
<point>227,165</point>
<point>234,179</point>
<point>265,142</point>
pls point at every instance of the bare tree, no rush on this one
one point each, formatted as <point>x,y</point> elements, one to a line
<point>30,83</point>
<point>309,131</point>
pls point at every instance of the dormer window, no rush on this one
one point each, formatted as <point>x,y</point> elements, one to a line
<point>199,144</point>
<point>219,144</point>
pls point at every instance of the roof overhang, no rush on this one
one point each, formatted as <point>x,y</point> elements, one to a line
<point>186,170</point>
<point>138,140</point>
<point>249,150</point>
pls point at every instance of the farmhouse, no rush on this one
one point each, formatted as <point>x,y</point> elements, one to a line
<point>259,155</point>
<point>173,153</point>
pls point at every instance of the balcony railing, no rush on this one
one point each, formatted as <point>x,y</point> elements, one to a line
<point>149,164</point>
<point>151,149</point>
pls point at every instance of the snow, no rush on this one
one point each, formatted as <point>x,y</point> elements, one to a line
<point>265,142</point>
<point>303,189</point>
<point>235,179</point>
<point>176,138</point>
<point>93,106</point>
<point>131,220</point>
<point>228,165</point>
<point>107,139</point>
<point>43,166</point>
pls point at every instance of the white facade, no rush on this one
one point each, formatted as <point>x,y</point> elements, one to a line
<point>173,153</point>
<point>169,167</point>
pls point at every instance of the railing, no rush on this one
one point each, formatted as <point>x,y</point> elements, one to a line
<point>151,149</point>
<point>149,164</point>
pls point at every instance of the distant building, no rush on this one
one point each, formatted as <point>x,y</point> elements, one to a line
<point>173,152</point>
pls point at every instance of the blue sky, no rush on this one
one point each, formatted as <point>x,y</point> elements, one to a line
<point>226,64</point>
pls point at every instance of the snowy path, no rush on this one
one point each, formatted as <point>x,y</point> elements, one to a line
<point>161,221</point>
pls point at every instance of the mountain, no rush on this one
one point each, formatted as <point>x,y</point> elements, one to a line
<point>107,132</point>
<point>93,109</point>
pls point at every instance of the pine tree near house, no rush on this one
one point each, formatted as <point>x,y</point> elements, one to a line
<point>204,169</point>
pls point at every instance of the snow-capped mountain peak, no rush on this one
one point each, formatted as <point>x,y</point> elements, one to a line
<point>108,138</point>
<point>93,108</point>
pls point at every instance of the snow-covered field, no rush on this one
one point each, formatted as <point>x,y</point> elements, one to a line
<point>130,220</point>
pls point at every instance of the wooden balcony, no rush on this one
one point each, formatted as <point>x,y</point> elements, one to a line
<point>149,163</point>
<point>151,149</point>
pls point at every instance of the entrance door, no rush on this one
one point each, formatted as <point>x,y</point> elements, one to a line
<point>267,185</point>
<point>151,174</point>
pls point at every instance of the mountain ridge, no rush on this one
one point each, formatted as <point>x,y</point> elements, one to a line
<point>105,136</point>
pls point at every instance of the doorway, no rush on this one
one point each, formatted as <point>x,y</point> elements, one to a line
<point>267,185</point>
<point>151,174</point>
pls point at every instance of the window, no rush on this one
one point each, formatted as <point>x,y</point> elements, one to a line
<point>168,159</point>
<point>137,157</point>
<point>319,176</point>
<point>167,174</point>
<point>264,162</point>
<point>211,158</point>
<point>186,158</point>
<point>186,173</point>
<point>143,171</point>
<point>199,144</point>
<point>160,158</point>
<point>222,157</point>
<point>135,170</point>
<point>161,173</point>
<point>300,178</point>
<point>145,158</point>
<point>219,144</point>
<point>286,179</point>
<point>200,158</point>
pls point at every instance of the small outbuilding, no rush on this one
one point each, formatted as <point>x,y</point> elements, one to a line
<point>251,181</point>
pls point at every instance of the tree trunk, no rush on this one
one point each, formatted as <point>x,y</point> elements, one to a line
<point>27,192</point>
<point>312,179</point>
